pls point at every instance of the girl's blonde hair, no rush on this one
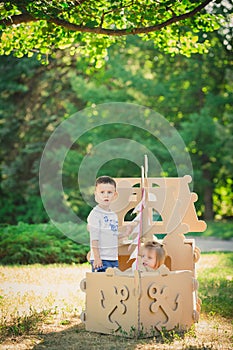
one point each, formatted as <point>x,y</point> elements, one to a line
<point>159,250</point>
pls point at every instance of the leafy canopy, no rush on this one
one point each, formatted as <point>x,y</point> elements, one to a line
<point>90,27</point>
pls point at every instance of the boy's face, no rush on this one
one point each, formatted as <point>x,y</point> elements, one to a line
<point>105,194</point>
<point>149,258</point>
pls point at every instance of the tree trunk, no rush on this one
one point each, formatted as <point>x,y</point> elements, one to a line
<point>208,195</point>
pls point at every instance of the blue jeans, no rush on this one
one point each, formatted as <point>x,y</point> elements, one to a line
<point>106,264</point>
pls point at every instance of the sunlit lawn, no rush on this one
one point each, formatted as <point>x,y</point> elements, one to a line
<point>38,300</point>
<point>53,288</point>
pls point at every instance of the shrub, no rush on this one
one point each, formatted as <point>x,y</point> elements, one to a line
<point>42,243</point>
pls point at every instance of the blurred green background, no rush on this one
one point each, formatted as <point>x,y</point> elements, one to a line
<point>194,94</point>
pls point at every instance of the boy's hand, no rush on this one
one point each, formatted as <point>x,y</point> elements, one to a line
<point>97,263</point>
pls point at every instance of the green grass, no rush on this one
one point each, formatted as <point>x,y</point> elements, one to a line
<point>50,303</point>
<point>216,284</point>
<point>218,229</point>
<point>22,325</point>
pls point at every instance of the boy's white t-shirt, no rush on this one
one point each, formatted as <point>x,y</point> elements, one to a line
<point>103,227</point>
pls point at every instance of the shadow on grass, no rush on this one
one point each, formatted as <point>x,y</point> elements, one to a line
<point>21,325</point>
<point>77,337</point>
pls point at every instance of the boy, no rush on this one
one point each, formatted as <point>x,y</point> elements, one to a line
<point>103,226</point>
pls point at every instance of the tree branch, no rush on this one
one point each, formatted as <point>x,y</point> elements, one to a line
<point>24,18</point>
<point>18,19</point>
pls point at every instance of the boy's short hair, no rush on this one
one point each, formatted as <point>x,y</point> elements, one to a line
<point>105,180</point>
<point>159,249</point>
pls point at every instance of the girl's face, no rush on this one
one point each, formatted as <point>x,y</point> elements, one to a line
<point>149,258</point>
<point>105,194</point>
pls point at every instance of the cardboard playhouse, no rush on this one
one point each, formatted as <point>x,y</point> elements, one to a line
<point>144,303</point>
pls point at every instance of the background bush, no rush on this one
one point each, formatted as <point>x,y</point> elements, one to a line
<point>42,243</point>
<point>46,244</point>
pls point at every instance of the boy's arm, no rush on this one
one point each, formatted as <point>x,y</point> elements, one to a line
<point>95,248</point>
<point>94,228</point>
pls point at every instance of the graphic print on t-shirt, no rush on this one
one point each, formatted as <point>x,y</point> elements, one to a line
<point>111,224</point>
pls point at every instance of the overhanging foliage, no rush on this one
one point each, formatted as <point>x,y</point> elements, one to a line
<point>42,27</point>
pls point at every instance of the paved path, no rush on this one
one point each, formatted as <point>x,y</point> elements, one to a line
<point>207,244</point>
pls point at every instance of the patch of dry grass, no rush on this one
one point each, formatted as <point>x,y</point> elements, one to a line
<point>49,301</point>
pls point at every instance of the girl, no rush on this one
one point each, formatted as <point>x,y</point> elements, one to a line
<point>153,256</point>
